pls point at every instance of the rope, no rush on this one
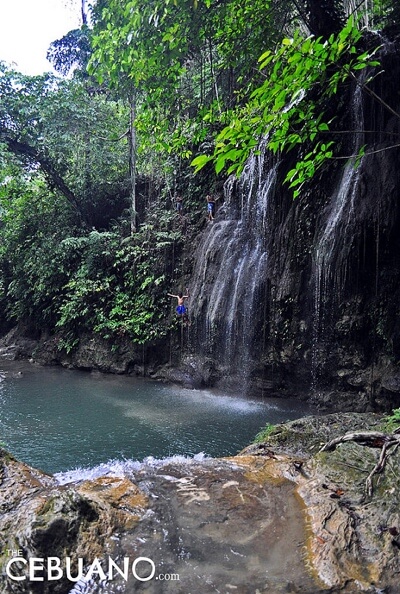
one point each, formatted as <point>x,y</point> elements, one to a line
<point>182,336</point>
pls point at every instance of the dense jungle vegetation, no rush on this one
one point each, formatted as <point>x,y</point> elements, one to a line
<point>155,99</point>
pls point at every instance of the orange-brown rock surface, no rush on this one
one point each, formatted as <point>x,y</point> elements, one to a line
<point>280,517</point>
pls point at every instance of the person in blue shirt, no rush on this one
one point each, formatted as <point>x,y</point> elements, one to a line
<point>211,206</point>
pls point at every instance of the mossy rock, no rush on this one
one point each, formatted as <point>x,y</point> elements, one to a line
<point>305,437</point>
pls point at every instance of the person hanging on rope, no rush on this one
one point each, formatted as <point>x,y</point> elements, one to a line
<point>181,309</point>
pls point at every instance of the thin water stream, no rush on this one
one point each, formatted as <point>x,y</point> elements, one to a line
<point>59,420</point>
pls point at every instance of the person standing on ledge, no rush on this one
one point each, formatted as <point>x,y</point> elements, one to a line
<point>211,206</point>
<point>180,308</point>
<point>179,204</point>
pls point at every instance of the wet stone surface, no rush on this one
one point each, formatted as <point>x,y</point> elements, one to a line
<point>219,528</point>
<point>217,525</point>
<point>281,517</point>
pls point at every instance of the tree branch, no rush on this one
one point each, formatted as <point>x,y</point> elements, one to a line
<point>22,148</point>
<point>379,466</point>
<point>372,439</point>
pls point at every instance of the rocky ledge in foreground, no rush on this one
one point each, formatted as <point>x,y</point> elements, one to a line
<point>279,517</point>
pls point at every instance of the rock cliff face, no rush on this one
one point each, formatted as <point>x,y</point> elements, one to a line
<point>301,294</point>
<point>280,517</point>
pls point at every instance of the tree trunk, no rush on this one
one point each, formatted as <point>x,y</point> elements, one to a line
<point>132,159</point>
<point>84,13</point>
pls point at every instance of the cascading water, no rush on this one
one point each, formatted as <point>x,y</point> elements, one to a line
<point>231,264</point>
<point>333,244</point>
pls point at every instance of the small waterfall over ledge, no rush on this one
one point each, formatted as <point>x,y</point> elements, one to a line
<point>228,282</point>
<point>333,245</point>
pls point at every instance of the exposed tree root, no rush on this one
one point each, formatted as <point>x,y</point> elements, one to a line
<point>372,439</point>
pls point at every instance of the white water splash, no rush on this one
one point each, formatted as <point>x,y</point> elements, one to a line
<point>122,468</point>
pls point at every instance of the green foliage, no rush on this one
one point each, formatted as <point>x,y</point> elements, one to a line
<point>187,61</point>
<point>71,133</point>
<point>265,433</point>
<point>33,265</point>
<point>288,107</point>
<point>384,14</point>
<point>391,422</point>
<point>70,52</point>
<point>119,288</point>
<point>60,279</point>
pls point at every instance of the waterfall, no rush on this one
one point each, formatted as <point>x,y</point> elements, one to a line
<point>333,245</point>
<point>279,288</point>
<point>231,264</point>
